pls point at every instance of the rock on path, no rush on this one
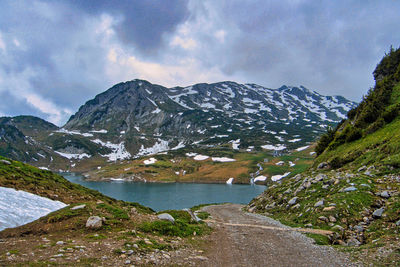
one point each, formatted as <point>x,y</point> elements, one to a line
<point>267,245</point>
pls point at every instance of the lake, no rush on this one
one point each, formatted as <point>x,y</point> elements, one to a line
<point>163,196</point>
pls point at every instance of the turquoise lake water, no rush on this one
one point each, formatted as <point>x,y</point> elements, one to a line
<point>163,196</point>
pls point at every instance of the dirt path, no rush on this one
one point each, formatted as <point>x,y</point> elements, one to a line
<point>245,239</point>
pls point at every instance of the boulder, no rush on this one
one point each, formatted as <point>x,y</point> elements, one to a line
<point>293,201</point>
<point>359,228</point>
<point>94,222</point>
<point>353,242</point>
<point>385,194</point>
<point>349,189</point>
<point>378,213</point>
<point>323,165</point>
<point>319,203</point>
<point>361,169</point>
<point>338,228</point>
<point>166,217</point>
<point>332,219</point>
<point>192,215</point>
<point>398,223</point>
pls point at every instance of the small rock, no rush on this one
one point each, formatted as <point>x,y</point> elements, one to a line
<point>129,252</point>
<point>378,213</point>
<point>128,262</point>
<point>297,206</point>
<point>60,243</point>
<point>323,218</point>
<point>328,208</point>
<point>202,258</point>
<point>353,242</point>
<point>293,201</point>
<point>361,169</point>
<point>385,194</point>
<point>325,186</point>
<point>288,191</point>
<point>338,227</point>
<point>133,210</point>
<point>99,202</point>
<point>320,177</point>
<point>79,207</point>
<point>398,223</point>
<point>94,222</point>
<point>323,165</point>
<point>58,255</point>
<point>308,225</point>
<point>5,162</point>
<point>349,189</point>
<point>332,219</point>
<point>359,228</point>
<point>319,203</point>
<point>166,217</point>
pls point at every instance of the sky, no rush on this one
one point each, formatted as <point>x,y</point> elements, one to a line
<point>55,55</point>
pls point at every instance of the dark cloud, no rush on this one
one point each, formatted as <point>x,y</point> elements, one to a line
<point>56,55</point>
<point>143,23</point>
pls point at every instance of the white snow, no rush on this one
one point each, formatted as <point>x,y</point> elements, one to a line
<point>180,145</point>
<point>283,132</point>
<point>235,144</point>
<point>62,130</point>
<point>250,111</point>
<point>119,151</point>
<point>260,178</point>
<point>137,128</point>
<point>230,180</point>
<point>158,147</point>
<point>150,161</point>
<point>278,177</point>
<point>73,156</point>
<point>20,207</point>
<point>207,105</point>
<point>291,164</point>
<point>302,148</point>
<point>99,131</point>
<point>280,163</point>
<point>156,111</point>
<point>191,154</point>
<point>222,159</point>
<point>294,140</point>
<point>200,157</point>
<point>272,147</point>
<point>44,168</point>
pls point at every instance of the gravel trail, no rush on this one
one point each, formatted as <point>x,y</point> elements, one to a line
<point>245,239</point>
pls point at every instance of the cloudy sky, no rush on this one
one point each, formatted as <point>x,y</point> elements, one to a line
<point>55,55</point>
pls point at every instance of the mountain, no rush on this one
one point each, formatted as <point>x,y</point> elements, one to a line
<point>353,187</point>
<point>137,118</point>
<point>145,118</point>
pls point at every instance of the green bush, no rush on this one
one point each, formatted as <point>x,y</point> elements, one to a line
<point>179,228</point>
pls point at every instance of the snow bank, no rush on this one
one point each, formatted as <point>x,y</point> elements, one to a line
<point>200,157</point>
<point>160,146</point>
<point>261,178</point>
<point>230,180</point>
<point>99,131</point>
<point>150,161</point>
<point>272,147</point>
<point>302,148</point>
<point>180,145</point>
<point>20,207</point>
<point>222,159</point>
<point>278,177</point>
<point>73,156</point>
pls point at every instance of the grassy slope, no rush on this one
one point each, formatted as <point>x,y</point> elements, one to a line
<point>207,171</point>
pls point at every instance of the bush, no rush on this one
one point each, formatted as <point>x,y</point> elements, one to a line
<point>353,134</point>
<point>391,113</point>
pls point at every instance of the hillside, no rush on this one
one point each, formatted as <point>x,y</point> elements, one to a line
<point>353,187</point>
<point>128,232</point>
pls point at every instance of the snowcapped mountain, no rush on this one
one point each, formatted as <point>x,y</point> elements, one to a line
<point>144,118</point>
<point>137,118</point>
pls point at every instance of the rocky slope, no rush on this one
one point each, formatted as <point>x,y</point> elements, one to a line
<point>353,187</point>
<point>137,118</point>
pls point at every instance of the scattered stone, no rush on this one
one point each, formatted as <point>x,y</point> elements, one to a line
<point>332,219</point>
<point>398,223</point>
<point>79,207</point>
<point>361,169</point>
<point>5,162</point>
<point>378,213</point>
<point>385,194</point>
<point>128,262</point>
<point>135,246</point>
<point>60,243</point>
<point>328,208</point>
<point>323,218</point>
<point>202,258</point>
<point>323,165</point>
<point>338,227</point>
<point>192,215</point>
<point>58,255</point>
<point>353,242</point>
<point>99,202</point>
<point>349,189</point>
<point>359,228</point>
<point>297,206</point>
<point>288,191</point>
<point>319,203</point>
<point>320,177</point>
<point>293,201</point>
<point>94,222</point>
<point>129,252</point>
<point>133,210</point>
<point>308,225</point>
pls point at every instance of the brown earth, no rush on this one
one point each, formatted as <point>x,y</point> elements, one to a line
<point>244,239</point>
